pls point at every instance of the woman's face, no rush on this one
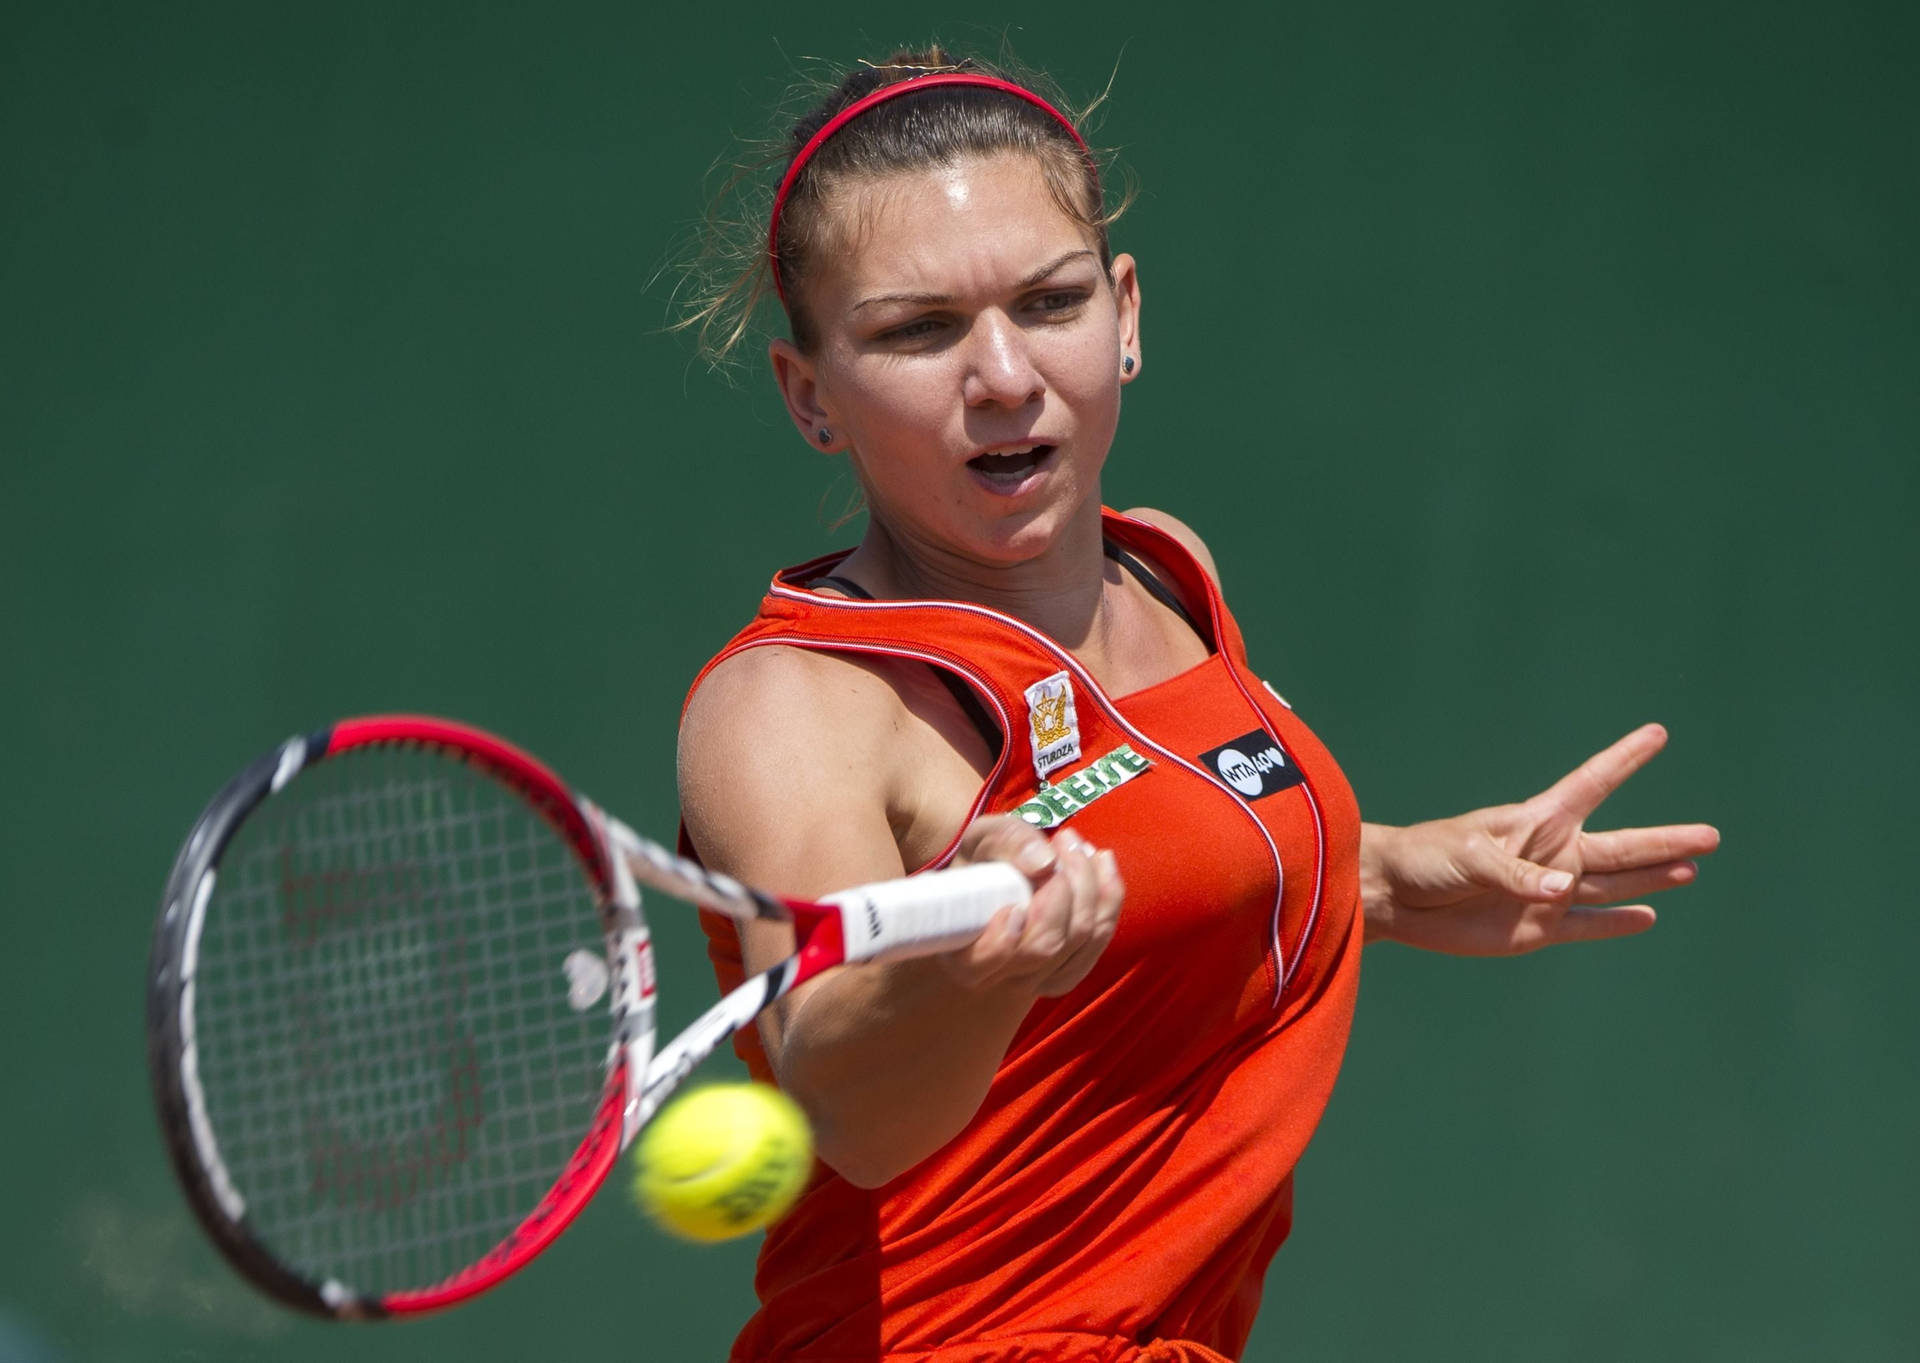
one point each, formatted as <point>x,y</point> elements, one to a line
<point>969,356</point>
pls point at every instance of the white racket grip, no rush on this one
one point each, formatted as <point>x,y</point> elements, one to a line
<point>928,913</point>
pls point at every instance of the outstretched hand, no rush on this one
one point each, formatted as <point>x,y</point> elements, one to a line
<point>1515,878</point>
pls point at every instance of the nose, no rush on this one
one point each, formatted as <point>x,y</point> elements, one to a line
<point>1000,367</point>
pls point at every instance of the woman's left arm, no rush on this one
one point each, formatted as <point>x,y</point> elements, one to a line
<point>1515,878</point>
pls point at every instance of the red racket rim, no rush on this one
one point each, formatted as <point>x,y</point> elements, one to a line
<point>169,1022</point>
<point>513,766</point>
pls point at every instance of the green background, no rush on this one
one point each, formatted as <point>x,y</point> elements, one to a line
<point>1534,369</point>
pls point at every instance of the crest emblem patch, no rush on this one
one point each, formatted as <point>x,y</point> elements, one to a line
<point>1052,724</point>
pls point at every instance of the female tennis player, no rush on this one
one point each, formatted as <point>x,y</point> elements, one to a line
<point>1076,1137</point>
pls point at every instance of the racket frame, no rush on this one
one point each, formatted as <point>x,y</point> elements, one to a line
<point>173,1054</point>
<point>914,915</point>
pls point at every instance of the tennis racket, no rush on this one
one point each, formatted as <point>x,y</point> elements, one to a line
<point>401,1006</point>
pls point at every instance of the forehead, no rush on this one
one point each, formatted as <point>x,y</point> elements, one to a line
<point>949,229</point>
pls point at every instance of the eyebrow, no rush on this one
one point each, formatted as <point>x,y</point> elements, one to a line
<point>935,299</point>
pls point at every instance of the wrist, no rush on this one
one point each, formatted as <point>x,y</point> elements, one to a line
<point>1378,904</point>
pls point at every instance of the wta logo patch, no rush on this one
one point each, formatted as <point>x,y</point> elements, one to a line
<point>1253,765</point>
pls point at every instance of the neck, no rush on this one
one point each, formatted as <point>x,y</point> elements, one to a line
<point>1060,590</point>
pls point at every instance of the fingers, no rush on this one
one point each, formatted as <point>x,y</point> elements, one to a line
<point>1000,936</point>
<point>1002,837</point>
<point>1051,945</point>
<point>1627,849</point>
<point>1581,790</point>
<point>1608,887</point>
<point>1100,920</point>
<point>1067,894</point>
<point>1597,925</point>
<point>1485,862</point>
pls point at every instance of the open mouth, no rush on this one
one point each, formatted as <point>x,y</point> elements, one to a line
<point>1010,467</point>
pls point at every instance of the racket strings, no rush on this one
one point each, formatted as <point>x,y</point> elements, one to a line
<point>393,1068</point>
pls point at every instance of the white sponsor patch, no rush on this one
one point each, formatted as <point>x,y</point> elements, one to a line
<point>1052,724</point>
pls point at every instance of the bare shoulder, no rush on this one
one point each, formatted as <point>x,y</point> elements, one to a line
<point>783,769</point>
<point>792,691</point>
<point>1181,531</point>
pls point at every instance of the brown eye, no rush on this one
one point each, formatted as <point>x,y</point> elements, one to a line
<point>917,330</point>
<point>1060,300</point>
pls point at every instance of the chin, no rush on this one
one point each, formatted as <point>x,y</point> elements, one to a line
<point>1021,536</point>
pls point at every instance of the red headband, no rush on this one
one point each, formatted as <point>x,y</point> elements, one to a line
<point>881,96</point>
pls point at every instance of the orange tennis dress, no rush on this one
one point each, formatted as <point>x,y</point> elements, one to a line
<point>1130,1174</point>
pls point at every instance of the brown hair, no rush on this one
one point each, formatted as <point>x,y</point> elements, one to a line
<point>730,278</point>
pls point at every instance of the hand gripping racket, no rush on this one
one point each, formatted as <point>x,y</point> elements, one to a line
<point>401,1000</point>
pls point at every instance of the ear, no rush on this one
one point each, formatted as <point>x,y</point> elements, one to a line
<point>1126,297</point>
<point>806,404</point>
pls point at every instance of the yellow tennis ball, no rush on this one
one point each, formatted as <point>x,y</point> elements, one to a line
<point>723,1160</point>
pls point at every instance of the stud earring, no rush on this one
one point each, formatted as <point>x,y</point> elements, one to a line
<point>824,436</point>
<point>1126,364</point>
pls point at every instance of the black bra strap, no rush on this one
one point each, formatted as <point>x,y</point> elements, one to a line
<point>989,731</point>
<point>961,692</point>
<point>1155,587</point>
<point>842,585</point>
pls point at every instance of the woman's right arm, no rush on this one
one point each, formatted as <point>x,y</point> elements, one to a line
<point>789,773</point>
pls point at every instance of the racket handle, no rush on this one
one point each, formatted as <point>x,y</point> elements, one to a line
<point>928,913</point>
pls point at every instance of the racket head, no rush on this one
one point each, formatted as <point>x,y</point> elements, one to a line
<point>376,1031</point>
